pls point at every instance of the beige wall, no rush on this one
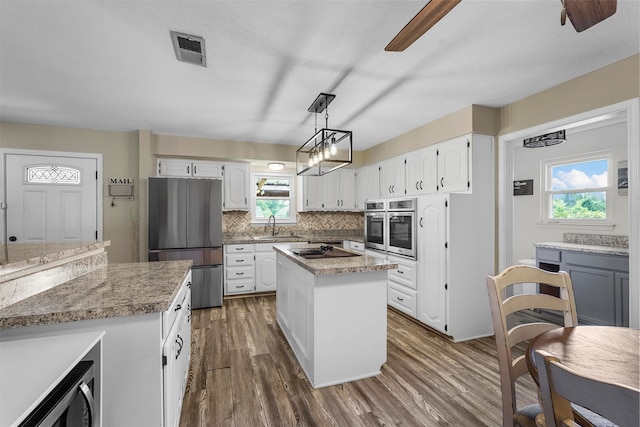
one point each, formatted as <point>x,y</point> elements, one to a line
<point>614,83</point>
<point>120,160</point>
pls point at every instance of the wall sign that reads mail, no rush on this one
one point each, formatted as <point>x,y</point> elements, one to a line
<point>523,187</point>
<point>121,188</point>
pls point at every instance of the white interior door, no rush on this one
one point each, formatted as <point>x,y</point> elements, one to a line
<point>51,198</point>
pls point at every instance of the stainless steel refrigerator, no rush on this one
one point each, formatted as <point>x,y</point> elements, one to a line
<point>185,222</point>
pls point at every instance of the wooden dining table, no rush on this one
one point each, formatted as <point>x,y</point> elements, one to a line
<point>606,353</point>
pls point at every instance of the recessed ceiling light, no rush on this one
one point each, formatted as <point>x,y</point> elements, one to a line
<point>276,166</point>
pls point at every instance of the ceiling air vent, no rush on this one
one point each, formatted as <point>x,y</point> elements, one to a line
<point>189,48</point>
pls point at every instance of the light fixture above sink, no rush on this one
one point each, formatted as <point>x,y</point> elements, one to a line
<point>276,166</point>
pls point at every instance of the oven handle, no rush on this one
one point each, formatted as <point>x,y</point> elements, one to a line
<point>88,397</point>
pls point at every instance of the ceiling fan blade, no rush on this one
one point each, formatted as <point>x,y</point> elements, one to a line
<point>425,19</point>
<point>585,14</point>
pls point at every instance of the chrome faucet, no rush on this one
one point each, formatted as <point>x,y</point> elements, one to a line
<point>273,227</point>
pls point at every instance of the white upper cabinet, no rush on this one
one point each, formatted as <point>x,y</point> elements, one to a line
<point>453,165</point>
<point>187,168</point>
<point>340,190</point>
<point>368,184</point>
<point>422,171</point>
<point>335,191</point>
<point>236,186</point>
<point>313,193</point>
<point>392,177</point>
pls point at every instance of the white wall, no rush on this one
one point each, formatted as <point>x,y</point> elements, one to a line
<point>527,229</point>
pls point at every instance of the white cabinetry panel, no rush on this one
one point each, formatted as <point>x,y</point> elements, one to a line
<point>236,186</point>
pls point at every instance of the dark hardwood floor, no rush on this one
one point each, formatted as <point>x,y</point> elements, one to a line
<point>244,374</point>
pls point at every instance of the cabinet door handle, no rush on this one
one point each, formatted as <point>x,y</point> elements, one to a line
<point>421,185</point>
<point>389,189</point>
<point>239,249</point>
<point>420,222</point>
<point>239,274</point>
<point>178,307</point>
<point>442,182</point>
<point>188,169</point>
<point>400,271</point>
<point>400,299</point>
<point>240,287</point>
<point>195,169</point>
<point>239,260</point>
<point>417,185</point>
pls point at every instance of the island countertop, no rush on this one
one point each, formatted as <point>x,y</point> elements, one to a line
<point>329,266</point>
<point>111,291</point>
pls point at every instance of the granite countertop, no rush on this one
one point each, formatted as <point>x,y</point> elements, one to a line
<point>22,256</point>
<point>578,247</point>
<point>330,266</point>
<point>111,291</point>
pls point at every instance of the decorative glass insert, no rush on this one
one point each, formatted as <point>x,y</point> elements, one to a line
<point>52,174</point>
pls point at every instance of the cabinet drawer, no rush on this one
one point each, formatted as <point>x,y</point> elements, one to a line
<point>239,286</point>
<point>231,273</point>
<point>405,274</point>
<point>545,254</point>
<point>357,246</point>
<point>402,299</point>
<point>233,260</point>
<point>234,249</point>
<point>604,261</point>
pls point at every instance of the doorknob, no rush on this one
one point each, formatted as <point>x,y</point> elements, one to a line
<point>13,238</point>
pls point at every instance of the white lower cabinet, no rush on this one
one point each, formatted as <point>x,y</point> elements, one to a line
<point>401,282</point>
<point>239,266</point>
<point>176,354</point>
<point>265,267</point>
<point>139,388</point>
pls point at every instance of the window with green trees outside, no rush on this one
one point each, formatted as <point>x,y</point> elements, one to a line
<point>577,190</point>
<point>273,196</point>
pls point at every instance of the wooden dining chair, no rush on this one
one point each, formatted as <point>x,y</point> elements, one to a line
<point>506,338</point>
<point>560,387</point>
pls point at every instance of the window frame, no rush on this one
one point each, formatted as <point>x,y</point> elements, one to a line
<point>291,198</point>
<point>546,194</point>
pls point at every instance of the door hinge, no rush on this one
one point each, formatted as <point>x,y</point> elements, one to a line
<point>96,234</point>
<point>446,286</point>
<point>446,203</point>
<point>446,327</point>
<point>164,360</point>
<point>468,143</point>
<point>446,245</point>
<point>96,174</point>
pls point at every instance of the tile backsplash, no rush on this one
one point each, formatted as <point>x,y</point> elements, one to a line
<point>597,239</point>
<point>239,222</point>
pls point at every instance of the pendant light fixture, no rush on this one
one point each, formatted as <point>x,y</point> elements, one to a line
<point>328,149</point>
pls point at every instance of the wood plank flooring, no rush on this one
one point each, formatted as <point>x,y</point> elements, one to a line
<point>244,374</point>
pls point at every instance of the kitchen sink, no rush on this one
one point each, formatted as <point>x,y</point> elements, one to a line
<point>277,238</point>
<point>322,252</point>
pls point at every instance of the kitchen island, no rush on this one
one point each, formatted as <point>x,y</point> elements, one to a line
<point>143,309</point>
<point>333,312</point>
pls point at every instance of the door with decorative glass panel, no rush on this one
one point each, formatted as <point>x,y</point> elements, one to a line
<point>51,198</point>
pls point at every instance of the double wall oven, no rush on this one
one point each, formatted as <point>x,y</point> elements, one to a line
<point>390,226</point>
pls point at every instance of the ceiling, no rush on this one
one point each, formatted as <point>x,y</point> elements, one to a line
<point>111,65</point>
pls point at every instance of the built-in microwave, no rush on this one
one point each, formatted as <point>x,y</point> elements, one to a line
<point>70,403</point>
<point>375,225</point>
<point>401,227</point>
